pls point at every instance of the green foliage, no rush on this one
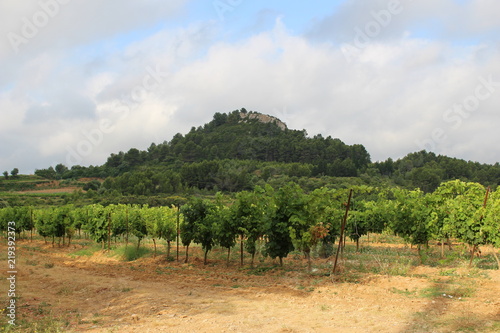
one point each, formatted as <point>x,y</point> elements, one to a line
<point>14,172</point>
<point>192,212</point>
<point>427,170</point>
<point>491,220</point>
<point>289,207</point>
<point>286,219</point>
<point>466,212</point>
<point>7,214</point>
<point>92,185</point>
<point>241,149</point>
<point>137,222</point>
<point>54,222</point>
<point>223,223</point>
<point>410,219</point>
<point>49,173</point>
<point>251,213</point>
<point>97,223</point>
<point>129,253</point>
<point>198,224</point>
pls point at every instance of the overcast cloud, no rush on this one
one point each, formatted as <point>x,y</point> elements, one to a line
<point>95,77</point>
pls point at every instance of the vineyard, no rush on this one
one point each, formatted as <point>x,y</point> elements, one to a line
<point>409,262</point>
<point>277,222</point>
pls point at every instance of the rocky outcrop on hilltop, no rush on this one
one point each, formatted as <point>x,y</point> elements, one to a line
<point>263,118</point>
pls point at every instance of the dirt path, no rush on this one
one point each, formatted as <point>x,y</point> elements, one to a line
<point>102,294</point>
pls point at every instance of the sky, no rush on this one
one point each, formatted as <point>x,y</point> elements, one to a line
<point>80,80</point>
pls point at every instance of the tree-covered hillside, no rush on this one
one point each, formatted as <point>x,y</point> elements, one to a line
<point>235,136</point>
<point>238,150</point>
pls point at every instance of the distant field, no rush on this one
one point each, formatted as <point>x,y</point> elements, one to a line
<point>30,184</point>
<point>70,189</point>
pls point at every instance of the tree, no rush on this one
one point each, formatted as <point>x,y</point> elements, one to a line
<point>55,222</point>
<point>97,223</point>
<point>168,227</point>
<point>301,225</point>
<point>193,212</point>
<point>14,172</point>
<point>427,178</point>
<point>411,218</point>
<point>205,232</point>
<point>492,223</point>
<point>49,173</point>
<point>325,208</point>
<point>24,219</point>
<point>251,213</point>
<point>43,223</point>
<point>279,241</point>
<point>133,157</point>
<point>467,210</point>
<point>356,225</point>
<point>6,174</point>
<point>7,214</point>
<point>138,223</point>
<point>226,228</point>
<point>60,169</point>
<point>160,224</point>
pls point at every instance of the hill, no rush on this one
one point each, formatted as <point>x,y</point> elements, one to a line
<point>238,150</point>
<point>242,135</point>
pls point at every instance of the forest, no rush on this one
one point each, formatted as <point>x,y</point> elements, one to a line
<point>237,151</point>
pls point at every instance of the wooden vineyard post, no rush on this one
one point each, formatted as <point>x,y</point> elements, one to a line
<point>109,231</point>
<point>342,230</point>
<point>126,227</point>
<point>178,230</point>
<point>241,250</point>
<point>31,225</point>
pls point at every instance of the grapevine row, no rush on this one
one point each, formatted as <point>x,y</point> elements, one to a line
<point>286,219</point>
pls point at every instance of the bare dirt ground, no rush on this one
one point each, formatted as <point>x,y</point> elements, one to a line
<point>99,293</point>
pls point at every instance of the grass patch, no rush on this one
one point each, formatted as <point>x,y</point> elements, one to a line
<point>379,260</point>
<point>131,253</point>
<point>448,272</point>
<point>449,290</point>
<point>86,252</point>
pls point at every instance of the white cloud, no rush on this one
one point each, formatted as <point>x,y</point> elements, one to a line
<point>445,19</point>
<point>390,96</point>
